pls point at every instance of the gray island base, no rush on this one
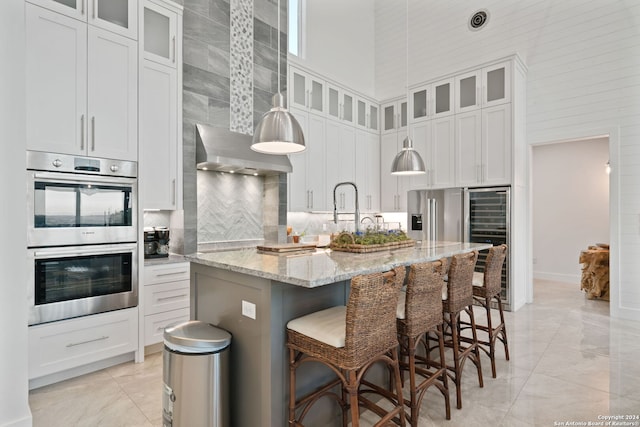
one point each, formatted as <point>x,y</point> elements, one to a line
<point>283,287</point>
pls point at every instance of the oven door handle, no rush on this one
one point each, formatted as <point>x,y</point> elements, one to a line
<point>82,179</point>
<point>89,251</point>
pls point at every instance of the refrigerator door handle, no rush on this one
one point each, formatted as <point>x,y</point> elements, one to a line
<point>434,223</point>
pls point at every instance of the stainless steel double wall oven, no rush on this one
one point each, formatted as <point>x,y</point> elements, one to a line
<point>82,235</point>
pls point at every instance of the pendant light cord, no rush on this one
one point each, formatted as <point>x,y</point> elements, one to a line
<point>278,58</point>
<point>406,51</point>
<point>407,65</point>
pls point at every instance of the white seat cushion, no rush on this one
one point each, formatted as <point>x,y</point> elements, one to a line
<point>445,289</point>
<point>328,326</point>
<point>401,304</point>
<point>478,279</point>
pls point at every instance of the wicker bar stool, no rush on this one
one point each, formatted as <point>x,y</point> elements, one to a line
<point>349,340</point>
<point>458,299</point>
<point>420,312</point>
<point>487,287</point>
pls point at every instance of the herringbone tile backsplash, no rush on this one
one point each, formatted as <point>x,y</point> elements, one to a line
<point>230,207</point>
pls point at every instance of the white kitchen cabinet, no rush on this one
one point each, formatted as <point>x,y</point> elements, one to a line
<point>306,91</point>
<point>340,104</point>
<point>497,142</point>
<point>434,140</point>
<point>160,114</point>
<point>368,170</point>
<point>56,75</point>
<point>442,153</point>
<point>393,189</point>
<point>58,346</point>
<point>483,146</point>
<point>367,116</point>
<point>82,85</point>
<point>394,115</point>
<point>117,16</point>
<point>166,298</point>
<point>112,104</point>
<point>307,182</point>
<point>340,161</point>
<point>432,100</point>
<point>159,137</point>
<point>484,87</point>
<point>161,36</point>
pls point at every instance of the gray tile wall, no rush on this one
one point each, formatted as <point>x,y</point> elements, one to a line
<point>206,85</point>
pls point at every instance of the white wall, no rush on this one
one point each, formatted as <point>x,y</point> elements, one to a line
<point>583,80</point>
<point>340,42</point>
<point>14,403</point>
<point>570,203</point>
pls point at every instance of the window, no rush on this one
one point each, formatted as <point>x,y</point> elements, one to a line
<point>295,16</point>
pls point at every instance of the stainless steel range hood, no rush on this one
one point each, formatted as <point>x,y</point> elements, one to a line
<point>219,149</point>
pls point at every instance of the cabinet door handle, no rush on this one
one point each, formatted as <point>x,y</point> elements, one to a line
<point>174,191</point>
<point>311,199</point>
<point>82,132</point>
<point>173,42</point>
<point>82,7</point>
<point>73,344</point>
<point>171,297</point>
<point>93,133</point>
<point>171,273</point>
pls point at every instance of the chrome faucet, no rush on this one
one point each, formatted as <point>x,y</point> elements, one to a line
<point>335,206</point>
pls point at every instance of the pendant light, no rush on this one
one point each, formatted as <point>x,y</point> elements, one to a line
<point>278,132</point>
<point>408,160</point>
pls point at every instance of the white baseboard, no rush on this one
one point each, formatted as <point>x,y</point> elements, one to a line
<point>26,421</point>
<point>80,370</point>
<point>557,277</point>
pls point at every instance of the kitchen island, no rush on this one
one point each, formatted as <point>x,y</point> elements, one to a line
<point>272,289</point>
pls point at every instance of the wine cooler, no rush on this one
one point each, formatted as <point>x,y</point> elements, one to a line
<point>487,220</point>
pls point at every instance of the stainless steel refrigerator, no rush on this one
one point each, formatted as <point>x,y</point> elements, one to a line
<point>479,215</point>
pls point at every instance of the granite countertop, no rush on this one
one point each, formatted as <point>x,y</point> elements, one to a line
<point>172,258</point>
<point>324,266</point>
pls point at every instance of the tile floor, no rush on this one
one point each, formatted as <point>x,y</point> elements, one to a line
<point>569,363</point>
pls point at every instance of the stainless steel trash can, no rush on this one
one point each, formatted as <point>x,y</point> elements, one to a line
<point>196,375</point>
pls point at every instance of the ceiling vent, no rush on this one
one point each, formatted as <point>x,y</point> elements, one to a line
<point>478,20</point>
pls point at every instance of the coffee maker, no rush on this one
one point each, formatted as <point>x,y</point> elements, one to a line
<point>156,242</point>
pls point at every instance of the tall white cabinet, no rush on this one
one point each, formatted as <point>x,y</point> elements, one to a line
<point>307,183</point>
<point>393,132</point>
<point>484,136</point>
<point>340,127</point>
<point>82,80</point>
<point>160,111</point>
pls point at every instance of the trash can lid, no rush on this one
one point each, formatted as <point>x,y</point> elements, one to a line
<point>196,336</point>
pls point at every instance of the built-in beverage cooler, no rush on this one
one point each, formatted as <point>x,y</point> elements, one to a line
<point>487,220</point>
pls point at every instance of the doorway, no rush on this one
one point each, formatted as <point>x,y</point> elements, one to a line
<point>570,205</point>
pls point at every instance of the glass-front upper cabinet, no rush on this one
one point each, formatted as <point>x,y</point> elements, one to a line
<point>485,87</point>
<point>394,115</point>
<point>373,117</point>
<point>496,86</point>
<point>468,91</point>
<point>306,91</point>
<point>118,16</point>
<point>366,114</point>
<point>432,100</point>
<point>160,34</point>
<point>341,104</point>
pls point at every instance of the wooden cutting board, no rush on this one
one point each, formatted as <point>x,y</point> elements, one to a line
<point>286,247</point>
